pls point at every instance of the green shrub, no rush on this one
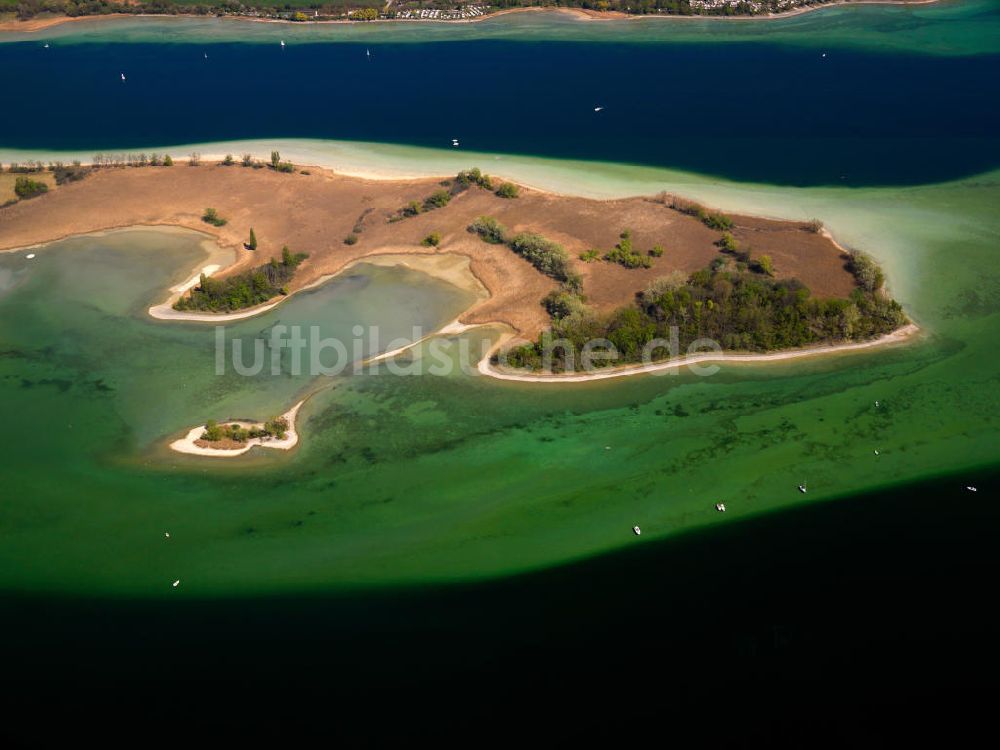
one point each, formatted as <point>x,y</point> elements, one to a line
<point>545,255</point>
<point>716,221</point>
<point>351,239</point>
<point>211,216</point>
<point>431,240</point>
<point>469,177</point>
<point>866,271</point>
<point>437,199</point>
<point>561,303</point>
<point>25,187</point>
<point>589,256</point>
<point>765,265</point>
<point>656,251</point>
<point>625,255</point>
<point>489,230</point>
<point>247,289</point>
<point>507,190</point>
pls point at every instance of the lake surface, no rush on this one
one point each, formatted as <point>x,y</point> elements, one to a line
<point>838,113</point>
<point>405,482</point>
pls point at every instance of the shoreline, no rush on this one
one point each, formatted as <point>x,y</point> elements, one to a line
<point>35,25</point>
<point>900,335</point>
<point>188,446</point>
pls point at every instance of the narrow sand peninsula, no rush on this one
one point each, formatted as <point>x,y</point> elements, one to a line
<point>188,443</point>
<point>897,336</point>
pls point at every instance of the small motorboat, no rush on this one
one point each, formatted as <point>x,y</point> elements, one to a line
<point>176,583</point>
<point>636,530</point>
<point>29,256</point>
<point>721,507</point>
<point>970,488</point>
<point>123,76</point>
<point>282,43</point>
<point>598,109</point>
<point>166,534</point>
<point>876,451</point>
<point>802,489</point>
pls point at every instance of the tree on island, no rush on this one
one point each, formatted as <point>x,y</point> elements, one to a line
<point>168,161</point>
<point>252,244</point>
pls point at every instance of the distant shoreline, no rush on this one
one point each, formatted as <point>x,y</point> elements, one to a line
<point>41,24</point>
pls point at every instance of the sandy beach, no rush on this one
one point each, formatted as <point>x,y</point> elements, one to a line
<point>898,336</point>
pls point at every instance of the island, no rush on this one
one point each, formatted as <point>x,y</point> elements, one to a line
<point>236,437</point>
<point>628,272</point>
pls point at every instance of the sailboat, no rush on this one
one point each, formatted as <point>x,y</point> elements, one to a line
<point>802,488</point>
<point>368,53</point>
<point>123,76</point>
<point>282,44</point>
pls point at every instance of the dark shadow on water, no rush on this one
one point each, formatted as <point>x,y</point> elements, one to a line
<point>860,622</point>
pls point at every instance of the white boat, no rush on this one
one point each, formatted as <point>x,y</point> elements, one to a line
<point>802,489</point>
<point>637,530</point>
<point>282,43</point>
<point>29,256</point>
<point>876,451</point>
<point>123,76</point>
<point>970,488</point>
<point>598,109</point>
<point>166,534</point>
<point>176,583</point>
<point>368,53</point>
<point>721,507</point>
<point>46,46</point>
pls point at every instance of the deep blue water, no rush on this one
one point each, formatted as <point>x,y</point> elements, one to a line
<point>853,117</point>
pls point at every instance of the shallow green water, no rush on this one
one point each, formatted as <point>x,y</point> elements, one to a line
<point>418,478</point>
